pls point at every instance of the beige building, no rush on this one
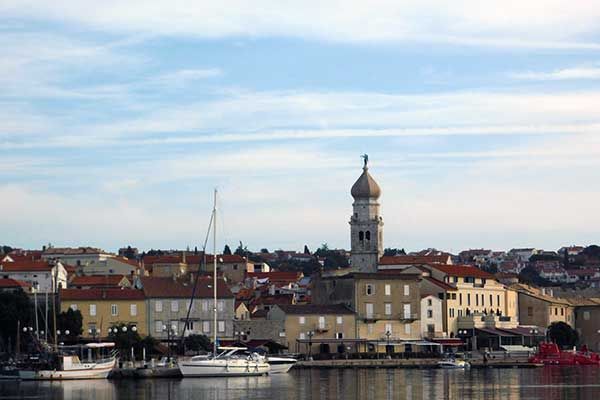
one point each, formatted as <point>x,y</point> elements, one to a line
<point>587,317</point>
<point>387,303</point>
<point>538,307</point>
<point>102,309</point>
<point>313,328</point>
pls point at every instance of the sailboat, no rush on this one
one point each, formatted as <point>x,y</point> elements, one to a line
<point>229,361</point>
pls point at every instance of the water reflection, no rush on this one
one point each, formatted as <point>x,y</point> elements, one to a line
<point>518,384</point>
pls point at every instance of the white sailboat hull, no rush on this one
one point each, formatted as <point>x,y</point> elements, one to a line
<point>92,370</point>
<point>223,367</point>
<point>281,365</point>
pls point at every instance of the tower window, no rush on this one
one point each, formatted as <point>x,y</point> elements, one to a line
<point>368,235</point>
<point>361,236</point>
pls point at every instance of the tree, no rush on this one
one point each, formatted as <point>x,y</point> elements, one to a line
<point>530,276</point>
<point>197,343</point>
<point>242,250</point>
<point>125,338</point>
<point>563,335</point>
<point>306,250</point>
<point>264,250</point>
<point>129,253</point>
<point>227,250</point>
<point>70,320</point>
<point>5,249</point>
<point>15,307</point>
<point>393,252</point>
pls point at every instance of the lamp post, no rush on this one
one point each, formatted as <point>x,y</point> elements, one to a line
<point>171,331</point>
<point>93,333</point>
<point>534,332</point>
<point>310,335</point>
<point>387,346</point>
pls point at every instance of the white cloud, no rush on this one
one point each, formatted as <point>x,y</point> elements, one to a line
<point>184,76</point>
<point>573,73</point>
<point>535,23</point>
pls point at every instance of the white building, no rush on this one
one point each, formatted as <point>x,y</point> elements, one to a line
<point>432,317</point>
<point>80,256</point>
<point>39,274</point>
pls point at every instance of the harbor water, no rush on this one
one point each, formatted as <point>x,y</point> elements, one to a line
<point>548,383</point>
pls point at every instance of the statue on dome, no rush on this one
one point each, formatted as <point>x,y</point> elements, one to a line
<point>365,157</point>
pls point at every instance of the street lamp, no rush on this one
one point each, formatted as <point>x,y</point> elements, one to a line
<point>171,331</point>
<point>310,335</point>
<point>124,329</point>
<point>134,328</point>
<point>387,346</point>
<point>534,332</point>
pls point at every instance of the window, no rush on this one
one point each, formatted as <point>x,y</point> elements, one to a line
<point>321,322</point>
<point>407,311</point>
<point>491,300</point>
<point>407,329</point>
<point>455,279</point>
<point>281,333</point>
<point>158,326</point>
<point>361,236</point>
<point>370,329</point>
<point>369,310</point>
<point>73,307</point>
<point>92,310</point>
<point>301,320</point>
<point>586,315</point>
<point>555,310</point>
<point>460,313</point>
<point>158,306</point>
<point>429,314</point>
<point>174,306</point>
<point>431,329</point>
<point>451,312</point>
<point>388,328</point>
<point>441,296</point>
<point>369,289</point>
<point>453,295</point>
<point>339,335</point>
<point>406,290</point>
<point>498,300</point>
<point>339,320</point>
<point>302,336</point>
<point>530,311</point>
<point>388,289</point>
<point>220,305</point>
<point>388,308</point>
<point>204,305</point>
<point>562,312</point>
<point>368,235</point>
<point>133,310</point>
<point>468,299</point>
<point>429,302</point>
<point>482,300</point>
<point>206,326</point>
<point>476,299</point>
<point>221,326</point>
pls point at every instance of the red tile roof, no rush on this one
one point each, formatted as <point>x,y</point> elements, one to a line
<point>169,288</point>
<point>439,283</point>
<point>277,276</point>
<point>462,271</point>
<point>315,309</point>
<point>12,283</point>
<point>193,259</point>
<point>101,294</point>
<point>28,265</point>
<point>412,260</point>
<point>97,280</point>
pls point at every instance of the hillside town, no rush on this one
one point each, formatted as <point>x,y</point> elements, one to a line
<point>368,299</point>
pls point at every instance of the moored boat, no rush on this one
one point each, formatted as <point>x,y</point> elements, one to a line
<point>451,363</point>
<point>551,354</point>
<point>69,366</point>
<point>280,365</point>
<point>227,363</point>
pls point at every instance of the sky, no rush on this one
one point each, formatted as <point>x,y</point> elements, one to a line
<point>119,118</point>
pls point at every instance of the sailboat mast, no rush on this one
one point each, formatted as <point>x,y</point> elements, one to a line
<point>215,273</point>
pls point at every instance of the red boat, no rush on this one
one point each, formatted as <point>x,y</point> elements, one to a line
<point>551,354</point>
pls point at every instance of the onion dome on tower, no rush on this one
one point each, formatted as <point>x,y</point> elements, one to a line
<point>365,186</point>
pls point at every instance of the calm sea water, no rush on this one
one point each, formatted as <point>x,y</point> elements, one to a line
<point>543,383</point>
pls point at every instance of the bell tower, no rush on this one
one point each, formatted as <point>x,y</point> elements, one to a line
<point>366,224</point>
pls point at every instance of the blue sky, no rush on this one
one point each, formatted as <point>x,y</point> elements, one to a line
<point>118,118</point>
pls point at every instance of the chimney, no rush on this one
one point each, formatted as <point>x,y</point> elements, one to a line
<point>183,259</point>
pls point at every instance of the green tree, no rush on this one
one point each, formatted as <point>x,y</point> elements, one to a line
<point>227,250</point>
<point>562,334</point>
<point>15,307</point>
<point>197,343</point>
<point>70,320</point>
<point>393,252</point>
<point>126,338</point>
<point>306,250</point>
<point>242,250</point>
<point>264,250</point>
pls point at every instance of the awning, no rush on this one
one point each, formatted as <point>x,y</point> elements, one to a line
<point>314,341</point>
<point>384,342</point>
<point>449,341</point>
<point>495,332</point>
<point>517,348</point>
<point>525,331</point>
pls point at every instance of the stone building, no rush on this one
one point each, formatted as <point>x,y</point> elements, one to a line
<point>366,224</point>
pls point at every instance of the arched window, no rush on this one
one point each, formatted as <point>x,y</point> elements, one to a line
<point>368,235</point>
<point>361,236</point>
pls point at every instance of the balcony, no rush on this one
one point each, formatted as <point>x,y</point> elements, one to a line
<point>408,317</point>
<point>390,317</point>
<point>320,328</point>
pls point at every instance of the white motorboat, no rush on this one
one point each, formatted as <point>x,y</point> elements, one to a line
<point>281,365</point>
<point>452,363</point>
<point>227,363</point>
<point>69,366</point>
